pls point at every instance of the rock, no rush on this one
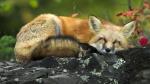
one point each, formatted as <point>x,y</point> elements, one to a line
<point>1,70</point>
<point>47,62</point>
<point>137,62</point>
<point>143,77</point>
<point>1,63</point>
<point>66,79</point>
<point>126,67</point>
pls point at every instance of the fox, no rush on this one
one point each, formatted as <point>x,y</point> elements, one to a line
<point>61,36</point>
<point>110,38</point>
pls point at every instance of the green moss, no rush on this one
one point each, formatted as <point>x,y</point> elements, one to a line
<point>7,47</point>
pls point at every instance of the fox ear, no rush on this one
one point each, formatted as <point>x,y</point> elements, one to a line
<point>94,24</point>
<point>128,29</point>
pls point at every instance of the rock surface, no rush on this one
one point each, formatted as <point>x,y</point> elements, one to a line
<point>126,67</point>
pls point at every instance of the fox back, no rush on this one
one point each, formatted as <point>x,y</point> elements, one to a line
<point>33,35</point>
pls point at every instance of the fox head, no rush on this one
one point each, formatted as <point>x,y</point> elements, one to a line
<point>109,38</point>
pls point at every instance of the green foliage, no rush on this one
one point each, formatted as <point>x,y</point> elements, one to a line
<point>33,3</point>
<point>5,6</point>
<point>7,47</point>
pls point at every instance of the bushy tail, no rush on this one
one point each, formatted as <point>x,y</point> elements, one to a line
<point>57,46</point>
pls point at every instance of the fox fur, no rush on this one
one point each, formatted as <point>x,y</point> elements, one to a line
<point>32,37</point>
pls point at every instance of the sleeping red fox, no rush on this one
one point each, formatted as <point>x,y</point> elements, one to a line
<point>33,37</point>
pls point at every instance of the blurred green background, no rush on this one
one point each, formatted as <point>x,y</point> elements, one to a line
<point>16,13</point>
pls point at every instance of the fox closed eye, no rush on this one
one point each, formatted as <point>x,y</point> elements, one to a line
<point>101,40</point>
<point>117,43</point>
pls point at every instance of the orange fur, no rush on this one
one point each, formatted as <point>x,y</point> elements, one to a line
<point>78,28</point>
<point>42,27</point>
<point>31,35</point>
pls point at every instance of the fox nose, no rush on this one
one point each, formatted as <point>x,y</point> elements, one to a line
<point>107,50</point>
